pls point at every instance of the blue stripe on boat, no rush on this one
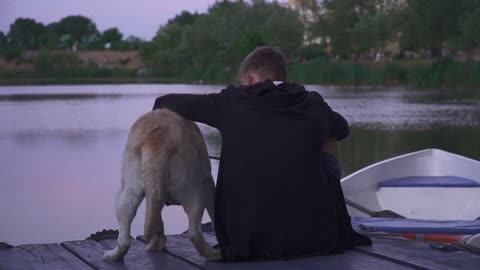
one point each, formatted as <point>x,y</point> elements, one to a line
<point>420,226</point>
<point>430,181</point>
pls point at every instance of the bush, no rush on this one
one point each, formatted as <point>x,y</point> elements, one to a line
<point>310,52</point>
<point>11,52</point>
<point>47,63</point>
<point>445,73</point>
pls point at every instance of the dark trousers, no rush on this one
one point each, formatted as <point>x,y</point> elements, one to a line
<point>348,237</point>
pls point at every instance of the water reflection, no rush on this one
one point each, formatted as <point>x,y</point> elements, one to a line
<point>366,145</point>
<point>43,97</point>
<point>70,137</point>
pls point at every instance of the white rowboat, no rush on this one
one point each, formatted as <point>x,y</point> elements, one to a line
<point>428,184</point>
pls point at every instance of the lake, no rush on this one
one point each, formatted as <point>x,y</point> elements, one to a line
<point>60,146</point>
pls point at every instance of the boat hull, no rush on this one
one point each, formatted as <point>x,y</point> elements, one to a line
<point>425,202</point>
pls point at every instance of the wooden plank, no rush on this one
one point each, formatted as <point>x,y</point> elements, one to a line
<point>420,255</point>
<point>39,257</point>
<point>180,246</point>
<point>137,258</point>
<point>350,260</point>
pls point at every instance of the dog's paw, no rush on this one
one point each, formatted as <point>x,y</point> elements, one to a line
<point>214,255</point>
<point>157,243</point>
<point>154,247</point>
<point>112,255</point>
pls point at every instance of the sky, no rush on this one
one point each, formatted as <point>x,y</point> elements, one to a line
<point>141,18</point>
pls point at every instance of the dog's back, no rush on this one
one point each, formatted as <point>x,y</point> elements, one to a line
<point>172,155</point>
<point>163,133</point>
<point>166,161</point>
<point>166,129</point>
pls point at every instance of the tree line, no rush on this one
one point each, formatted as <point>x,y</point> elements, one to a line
<point>209,46</point>
<point>72,31</point>
<point>344,27</point>
<point>212,44</point>
<point>352,27</point>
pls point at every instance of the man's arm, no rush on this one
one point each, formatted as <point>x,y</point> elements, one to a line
<point>330,146</point>
<point>338,126</point>
<point>199,108</point>
<point>330,159</point>
<point>338,131</point>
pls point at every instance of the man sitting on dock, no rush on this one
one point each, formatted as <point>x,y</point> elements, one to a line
<point>278,191</point>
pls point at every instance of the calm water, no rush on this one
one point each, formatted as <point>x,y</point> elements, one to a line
<point>60,147</point>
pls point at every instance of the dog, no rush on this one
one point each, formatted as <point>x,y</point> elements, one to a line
<point>166,162</point>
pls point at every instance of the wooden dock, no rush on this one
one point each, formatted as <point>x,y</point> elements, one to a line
<point>387,252</point>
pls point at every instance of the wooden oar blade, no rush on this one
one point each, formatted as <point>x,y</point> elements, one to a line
<point>387,214</point>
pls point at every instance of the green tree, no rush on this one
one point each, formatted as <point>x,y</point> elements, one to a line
<point>80,28</point>
<point>184,18</point>
<point>469,36</point>
<point>336,23</point>
<point>430,24</point>
<point>212,45</point>
<point>170,35</point>
<point>25,33</point>
<point>50,39</point>
<point>131,43</point>
<point>164,48</point>
<point>3,41</point>
<point>309,12</point>
<point>372,31</point>
<point>93,40</point>
<point>65,41</point>
<point>112,36</point>
<point>469,28</point>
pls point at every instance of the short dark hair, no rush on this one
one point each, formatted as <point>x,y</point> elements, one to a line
<point>267,62</point>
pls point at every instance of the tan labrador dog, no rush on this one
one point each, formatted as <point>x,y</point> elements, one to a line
<point>165,161</point>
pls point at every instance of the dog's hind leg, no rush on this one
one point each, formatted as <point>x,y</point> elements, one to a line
<point>154,174</point>
<point>127,203</point>
<point>209,189</point>
<point>154,231</point>
<point>194,210</point>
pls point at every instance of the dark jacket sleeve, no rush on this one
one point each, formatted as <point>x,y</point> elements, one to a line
<point>340,129</point>
<point>199,108</point>
<point>338,125</point>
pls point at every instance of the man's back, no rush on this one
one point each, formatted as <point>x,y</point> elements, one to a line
<point>273,198</point>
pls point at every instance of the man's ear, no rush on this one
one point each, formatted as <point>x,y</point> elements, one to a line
<point>249,78</point>
<point>252,78</point>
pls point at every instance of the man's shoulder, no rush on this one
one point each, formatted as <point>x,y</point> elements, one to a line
<point>231,90</point>
<point>315,96</point>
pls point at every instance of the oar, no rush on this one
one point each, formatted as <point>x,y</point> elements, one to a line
<point>383,213</point>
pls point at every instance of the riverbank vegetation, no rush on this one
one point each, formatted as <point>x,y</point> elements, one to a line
<point>448,73</point>
<point>418,42</point>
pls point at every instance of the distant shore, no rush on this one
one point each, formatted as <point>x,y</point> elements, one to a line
<point>449,73</point>
<point>83,81</point>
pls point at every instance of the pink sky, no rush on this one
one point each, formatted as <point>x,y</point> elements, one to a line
<point>133,17</point>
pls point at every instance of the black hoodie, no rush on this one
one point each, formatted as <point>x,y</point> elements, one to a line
<point>273,197</point>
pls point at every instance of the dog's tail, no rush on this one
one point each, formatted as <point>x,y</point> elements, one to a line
<point>154,168</point>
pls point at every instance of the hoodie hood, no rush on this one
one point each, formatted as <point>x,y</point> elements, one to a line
<point>268,94</point>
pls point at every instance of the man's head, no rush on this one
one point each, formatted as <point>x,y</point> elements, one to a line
<point>262,64</point>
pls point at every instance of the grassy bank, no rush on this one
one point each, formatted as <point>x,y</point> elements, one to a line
<point>81,81</point>
<point>445,74</point>
<point>321,71</point>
